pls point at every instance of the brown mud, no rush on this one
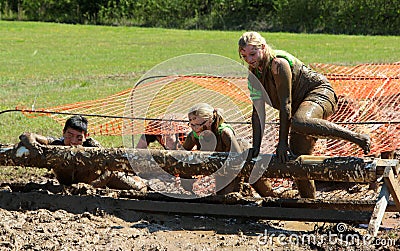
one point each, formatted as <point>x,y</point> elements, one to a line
<point>43,224</point>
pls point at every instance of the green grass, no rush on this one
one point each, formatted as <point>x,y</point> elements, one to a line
<point>18,174</point>
<point>50,64</point>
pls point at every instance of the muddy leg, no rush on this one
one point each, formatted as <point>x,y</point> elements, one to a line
<point>325,129</point>
<point>102,180</point>
<point>263,187</point>
<point>302,144</point>
<point>306,188</point>
<point>310,119</point>
<point>124,181</point>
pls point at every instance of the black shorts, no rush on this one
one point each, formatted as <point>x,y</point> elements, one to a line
<point>320,91</point>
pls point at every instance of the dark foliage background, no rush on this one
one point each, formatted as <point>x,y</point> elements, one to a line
<point>367,17</point>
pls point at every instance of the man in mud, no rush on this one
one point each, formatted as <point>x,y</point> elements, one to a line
<point>75,134</point>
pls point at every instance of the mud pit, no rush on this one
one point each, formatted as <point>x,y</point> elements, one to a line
<point>80,226</point>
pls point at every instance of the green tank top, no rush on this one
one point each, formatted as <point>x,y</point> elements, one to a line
<point>256,94</point>
<point>220,129</point>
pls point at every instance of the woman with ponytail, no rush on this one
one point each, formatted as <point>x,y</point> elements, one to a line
<point>303,97</point>
<point>209,131</point>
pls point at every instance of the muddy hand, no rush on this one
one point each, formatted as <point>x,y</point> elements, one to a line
<point>28,140</point>
<point>282,153</point>
<point>253,153</point>
<point>366,143</point>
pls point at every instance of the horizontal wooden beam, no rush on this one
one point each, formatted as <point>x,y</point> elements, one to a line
<point>333,204</point>
<point>80,204</point>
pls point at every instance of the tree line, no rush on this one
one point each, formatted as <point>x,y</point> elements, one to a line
<point>361,17</point>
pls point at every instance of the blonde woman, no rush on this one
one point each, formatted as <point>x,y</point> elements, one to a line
<point>211,133</point>
<point>304,98</point>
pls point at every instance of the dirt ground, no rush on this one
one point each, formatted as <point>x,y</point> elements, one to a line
<point>28,228</point>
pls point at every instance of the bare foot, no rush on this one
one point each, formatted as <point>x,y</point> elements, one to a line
<point>365,143</point>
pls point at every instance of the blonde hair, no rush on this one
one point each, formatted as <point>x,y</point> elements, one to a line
<point>251,38</point>
<point>206,111</point>
<point>255,39</point>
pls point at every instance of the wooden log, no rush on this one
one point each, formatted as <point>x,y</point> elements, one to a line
<point>187,163</point>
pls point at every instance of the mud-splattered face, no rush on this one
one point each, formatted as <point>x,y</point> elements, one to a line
<point>74,137</point>
<point>252,55</point>
<point>199,124</point>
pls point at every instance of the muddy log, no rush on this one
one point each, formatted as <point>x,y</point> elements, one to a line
<point>187,164</point>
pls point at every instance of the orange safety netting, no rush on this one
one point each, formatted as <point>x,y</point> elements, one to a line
<point>367,93</point>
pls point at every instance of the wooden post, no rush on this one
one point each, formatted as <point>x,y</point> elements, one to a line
<point>379,211</point>
<point>389,187</point>
<point>392,184</point>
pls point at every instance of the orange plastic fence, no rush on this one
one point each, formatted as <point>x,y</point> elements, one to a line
<point>369,99</point>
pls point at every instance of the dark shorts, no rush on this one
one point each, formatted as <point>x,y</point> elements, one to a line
<point>325,97</point>
<point>320,91</point>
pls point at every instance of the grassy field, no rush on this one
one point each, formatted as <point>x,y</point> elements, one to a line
<point>49,64</point>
